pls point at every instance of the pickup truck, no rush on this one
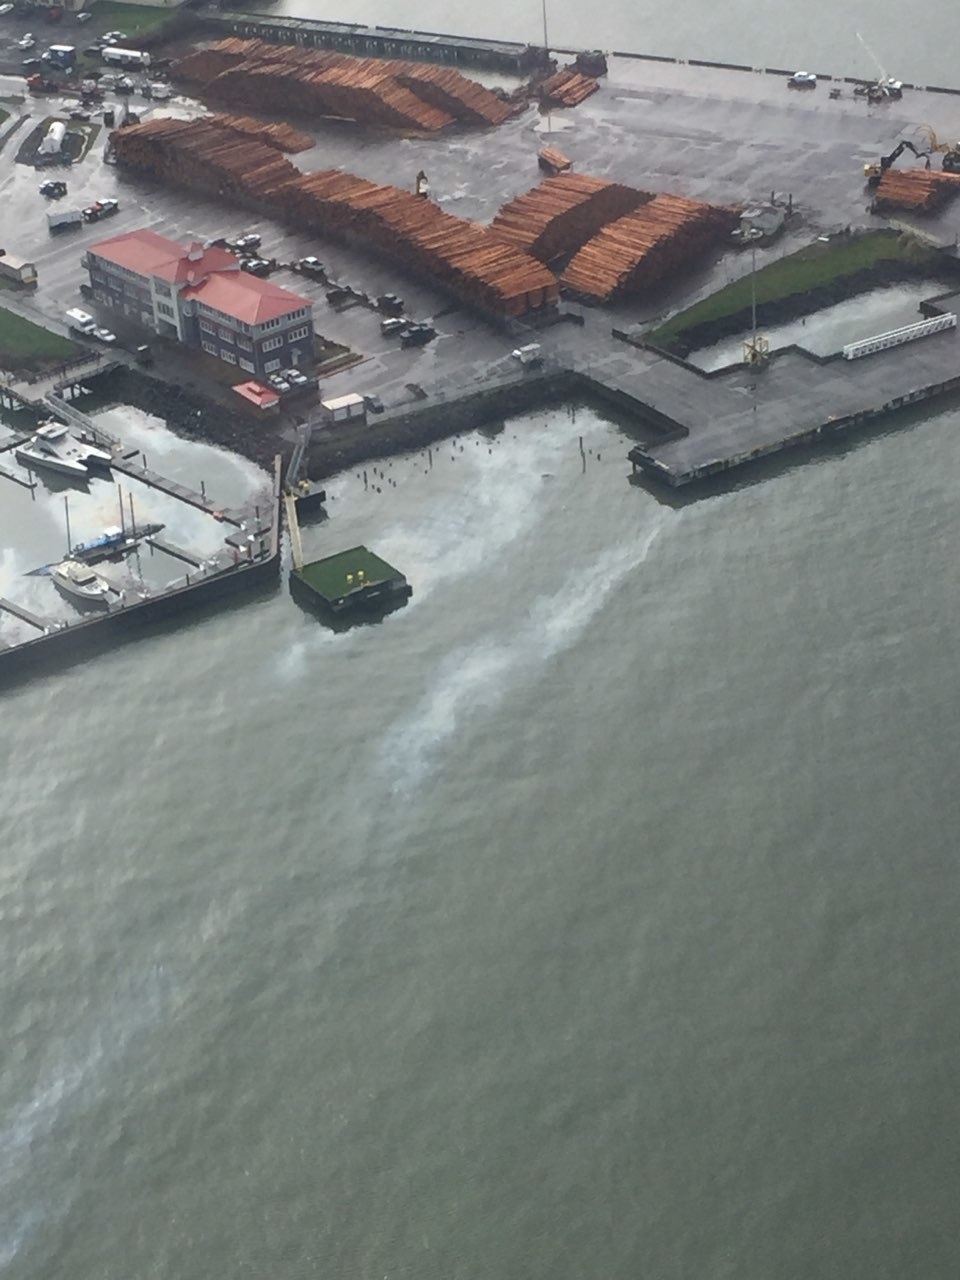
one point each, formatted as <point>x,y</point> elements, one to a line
<point>100,209</point>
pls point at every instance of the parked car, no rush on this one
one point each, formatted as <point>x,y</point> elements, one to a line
<point>295,377</point>
<point>114,36</point>
<point>278,383</point>
<point>79,115</point>
<point>85,16</point>
<point>125,85</point>
<point>100,209</point>
<point>393,328</point>
<point>390,304</point>
<point>30,65</point>
<point>53,188</point>
<point>374,404</point>
<point>311,267</point>
<point>247,243</point>
<point>256,266</point>
<point>105,336</point>
<point>418,335</point>
<point>5,9</point>
<point>802,80</point>
<point>27,41</point>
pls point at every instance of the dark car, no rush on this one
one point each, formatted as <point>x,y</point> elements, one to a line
<point>79,115</point>
<point>53,188</point>
<point>32,64</point>
<point>373,403</point>
<point>390,304</point>
<point>418,335</point>
<point>244,244</point>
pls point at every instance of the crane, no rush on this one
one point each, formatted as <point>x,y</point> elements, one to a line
<point>884,86</point>
<point>950,151</point>
<point>874,172</point>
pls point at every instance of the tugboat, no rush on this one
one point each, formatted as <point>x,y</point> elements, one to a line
<point>81,584</point>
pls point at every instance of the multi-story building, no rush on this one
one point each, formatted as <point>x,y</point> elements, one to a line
<point>201,297</point>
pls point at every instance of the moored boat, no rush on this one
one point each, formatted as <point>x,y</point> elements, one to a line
<point>51,446</point>
<point>82,584</point>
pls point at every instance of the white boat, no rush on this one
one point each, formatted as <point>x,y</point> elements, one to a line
<point>53,447</point>
<point>80,582</point>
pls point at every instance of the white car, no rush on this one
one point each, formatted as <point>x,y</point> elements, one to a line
<point>803,80</point>
<point>27,41</point>
<point>105,336</point>
<point>5,9</point>
<point>85,16</point>
<point>114,36</point>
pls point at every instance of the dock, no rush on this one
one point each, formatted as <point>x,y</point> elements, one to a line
<point>382,42</point>
<point>25,615</point>
<point>171,549</point>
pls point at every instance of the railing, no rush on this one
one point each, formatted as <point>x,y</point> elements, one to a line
<point>897,337</point>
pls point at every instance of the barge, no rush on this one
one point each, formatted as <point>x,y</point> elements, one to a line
<point>354,585</point>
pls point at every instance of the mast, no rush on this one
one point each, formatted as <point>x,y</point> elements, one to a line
<point>66,512</point>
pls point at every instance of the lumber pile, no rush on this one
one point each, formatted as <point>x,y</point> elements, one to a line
<point>553,161</point>
<point>203,155</point>
<point>288,79</point>
<point>567,88</point>
<point>917,190</point>
<point>640,249</point>
<point>463,99</point>
<point>563,213</point>
<point>466,258</point>
<point>281,136</point>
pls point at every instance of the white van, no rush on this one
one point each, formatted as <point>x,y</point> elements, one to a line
<point>81,321</point>
<point>529,355</point>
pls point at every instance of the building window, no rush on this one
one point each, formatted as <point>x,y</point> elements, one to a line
<point>271,324</point>
<point>162,289</point>
<point>271,366</point>
<point>244,344</point>
<point>207,327</point>
<point>165,309</point>
<point>209,347</point>
<point>271,344</point>
<point>226,335</point>
<point>245,364</point>
<point>296,334</point>
<point>228,356</point>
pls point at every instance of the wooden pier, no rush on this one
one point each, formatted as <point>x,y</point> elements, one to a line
<point>178,553</point>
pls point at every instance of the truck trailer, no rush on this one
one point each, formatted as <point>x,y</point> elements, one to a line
<point>62,219</point>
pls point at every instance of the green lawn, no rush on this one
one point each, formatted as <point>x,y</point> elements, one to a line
<point>132,19</point>
<point>4,115</point>
<point>24,345</point>
<point>816,265</point>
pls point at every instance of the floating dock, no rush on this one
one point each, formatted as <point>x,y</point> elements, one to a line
<point>353,583</point>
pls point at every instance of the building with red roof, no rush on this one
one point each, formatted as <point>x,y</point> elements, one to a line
<point>199,295</point>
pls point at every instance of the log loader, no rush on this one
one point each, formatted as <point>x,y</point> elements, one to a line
<point>948,151</point>
<point>874,172</point>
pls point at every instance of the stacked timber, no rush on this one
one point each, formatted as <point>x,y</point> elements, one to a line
<point>289,79</point>
<point>567,88</point>
<point>463,257</point>
<point>452,92</point>
<point>466,258</point>
<point>916,190</point>
<point>281,136</point>
<point>563,213</point>
<point>639,250</point>
<point>203,156</point>
<point>553,161</point>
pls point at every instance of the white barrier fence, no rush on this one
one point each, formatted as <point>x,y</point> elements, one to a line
<point>897,337</point>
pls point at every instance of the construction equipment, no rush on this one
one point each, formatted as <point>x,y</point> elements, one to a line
<point>885,86</point>
<point>874,172</point>
<point>950,151</point>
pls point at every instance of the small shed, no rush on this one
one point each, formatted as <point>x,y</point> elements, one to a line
<point>18,269</point>
<point>349,408</point>
<point>260,396</point>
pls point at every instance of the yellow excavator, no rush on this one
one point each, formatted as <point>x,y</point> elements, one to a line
<point>874,172</point>
<point>949,151</point>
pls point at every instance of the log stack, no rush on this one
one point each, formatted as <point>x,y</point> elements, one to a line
<point>280,136</point>
<point>568,88</point>
<point>916,190</point>
<point>640,249</point>
<point>560,215</point>
<point>467,259</point>
<point>203,156</point>
<point>288,79</point>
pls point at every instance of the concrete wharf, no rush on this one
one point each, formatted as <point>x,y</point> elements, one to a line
<point>382,42</point>
<point>708,423</point>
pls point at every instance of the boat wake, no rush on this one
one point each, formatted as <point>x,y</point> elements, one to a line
<point>479,675</point>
